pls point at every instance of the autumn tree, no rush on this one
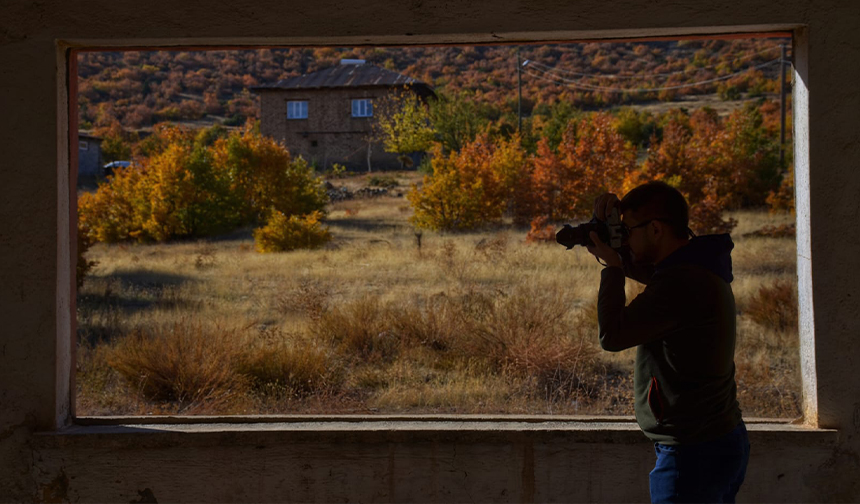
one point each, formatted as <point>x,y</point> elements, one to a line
<point>591,159</point>
<point>116,143</point>
<point>402,123</point>
<point>459,118</point>
<point>200,185</point>
<point>717,164</point>
<point>472,187</point>
<point>691,158</point>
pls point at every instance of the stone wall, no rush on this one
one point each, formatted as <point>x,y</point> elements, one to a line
<point>330,134</point>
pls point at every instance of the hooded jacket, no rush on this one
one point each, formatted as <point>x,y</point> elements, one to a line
<point>683,324</point>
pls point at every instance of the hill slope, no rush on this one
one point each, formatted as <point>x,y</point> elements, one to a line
<point>139,88</point>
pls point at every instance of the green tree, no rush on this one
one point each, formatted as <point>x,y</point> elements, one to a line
<point>458,119</point>
<point>552,121</point>
<point>402,123</point>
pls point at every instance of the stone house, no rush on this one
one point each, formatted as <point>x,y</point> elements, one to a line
<point>326,116</point>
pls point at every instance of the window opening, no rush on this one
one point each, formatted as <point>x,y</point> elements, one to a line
<point>297,109</point>
<point>368,313</point>
<point>362,108</point>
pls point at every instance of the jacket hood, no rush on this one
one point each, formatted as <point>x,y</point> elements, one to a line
<point>712,252</point>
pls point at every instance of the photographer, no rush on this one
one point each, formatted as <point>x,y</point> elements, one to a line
<point>683,325</point>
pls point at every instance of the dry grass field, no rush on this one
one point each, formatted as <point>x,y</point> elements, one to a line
<point>385,321</point>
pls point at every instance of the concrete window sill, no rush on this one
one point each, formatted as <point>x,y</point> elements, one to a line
<point>233,430</point>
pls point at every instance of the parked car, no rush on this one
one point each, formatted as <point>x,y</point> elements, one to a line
<point>108,168</point>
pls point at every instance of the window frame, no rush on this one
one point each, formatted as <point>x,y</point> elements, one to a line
<point>800,104</point>
<point>303,107</point>
<point>366,103</point>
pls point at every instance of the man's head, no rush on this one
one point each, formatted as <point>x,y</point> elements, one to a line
<point>656,215</point>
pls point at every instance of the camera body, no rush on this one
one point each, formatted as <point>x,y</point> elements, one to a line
<point>611,232</point>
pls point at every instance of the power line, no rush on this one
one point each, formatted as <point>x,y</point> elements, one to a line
<point>576,84</point>
<point>639,76</point>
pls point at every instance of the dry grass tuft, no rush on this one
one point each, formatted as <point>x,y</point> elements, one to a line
<point>767,371</point>
<point>185,363</point>
<point>775,306</point>
<point>289,367</point>
<point>309,298</point>
<point>359,330</point>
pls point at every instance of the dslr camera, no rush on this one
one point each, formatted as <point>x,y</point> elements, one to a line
<point>611,232</point>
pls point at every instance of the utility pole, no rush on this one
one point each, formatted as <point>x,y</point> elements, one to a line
<point>782,63</point>
<point>519,93</point>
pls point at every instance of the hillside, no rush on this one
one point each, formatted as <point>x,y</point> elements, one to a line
<point>139,88</point>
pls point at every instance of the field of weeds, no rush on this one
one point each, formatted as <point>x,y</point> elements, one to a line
<point>385,320</point>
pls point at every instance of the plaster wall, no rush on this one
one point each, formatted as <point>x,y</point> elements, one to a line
<point>46,456</point>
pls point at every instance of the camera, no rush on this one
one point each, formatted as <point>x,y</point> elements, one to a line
<point>611,232</point>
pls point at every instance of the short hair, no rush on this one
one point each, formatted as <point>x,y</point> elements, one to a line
<point>659,200</point>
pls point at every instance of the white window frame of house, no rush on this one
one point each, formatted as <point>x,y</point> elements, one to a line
<point>83,145</point>
<point>297,109</point>
<point>362,107</point>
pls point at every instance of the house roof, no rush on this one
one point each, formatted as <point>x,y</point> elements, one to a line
<point>346,76</point>
<point>83,135</point>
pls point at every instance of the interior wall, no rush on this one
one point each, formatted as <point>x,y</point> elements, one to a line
<point>35,318</point>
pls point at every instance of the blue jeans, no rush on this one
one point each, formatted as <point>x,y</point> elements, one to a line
<point>703,472</point>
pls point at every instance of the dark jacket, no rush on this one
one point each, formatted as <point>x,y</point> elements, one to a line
<point>684,326</point>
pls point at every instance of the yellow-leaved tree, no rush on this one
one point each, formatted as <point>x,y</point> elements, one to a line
<point>472,187</point>
<point>200,185</point>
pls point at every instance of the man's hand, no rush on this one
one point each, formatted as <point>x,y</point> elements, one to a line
<point>604,204</point>
<point>603,251</point>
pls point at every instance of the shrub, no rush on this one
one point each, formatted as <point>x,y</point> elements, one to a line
<point>296,367</point>
<point>360,330</point>
<point>83,265</point>
<point>541,231</point>
<point>770,231</point>
<point>775,306</point>
<point>184,362</point>
<point>382,181</point>
<point>528,334</point>
<point>336,171</point>
<point>282,233</point>
<point>199,185</point>
<point>782,199</point>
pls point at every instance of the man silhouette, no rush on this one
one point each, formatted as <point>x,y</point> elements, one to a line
<point>683,325</point>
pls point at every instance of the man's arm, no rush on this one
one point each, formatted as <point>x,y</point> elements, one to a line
<point>639,272</point>
<point>653,314</point>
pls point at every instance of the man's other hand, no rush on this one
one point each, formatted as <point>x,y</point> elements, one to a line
<point>604,204</point>
<point>603,251</point>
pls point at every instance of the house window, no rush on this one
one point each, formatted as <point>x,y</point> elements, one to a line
<point>362,108</point>
<point>83,145</point>
<point>297,109</point>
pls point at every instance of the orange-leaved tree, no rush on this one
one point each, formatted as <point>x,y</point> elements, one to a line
<point>592,158</point>
<point>692,158</point>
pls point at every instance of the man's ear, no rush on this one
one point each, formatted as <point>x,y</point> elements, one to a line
<point>657,228</point>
